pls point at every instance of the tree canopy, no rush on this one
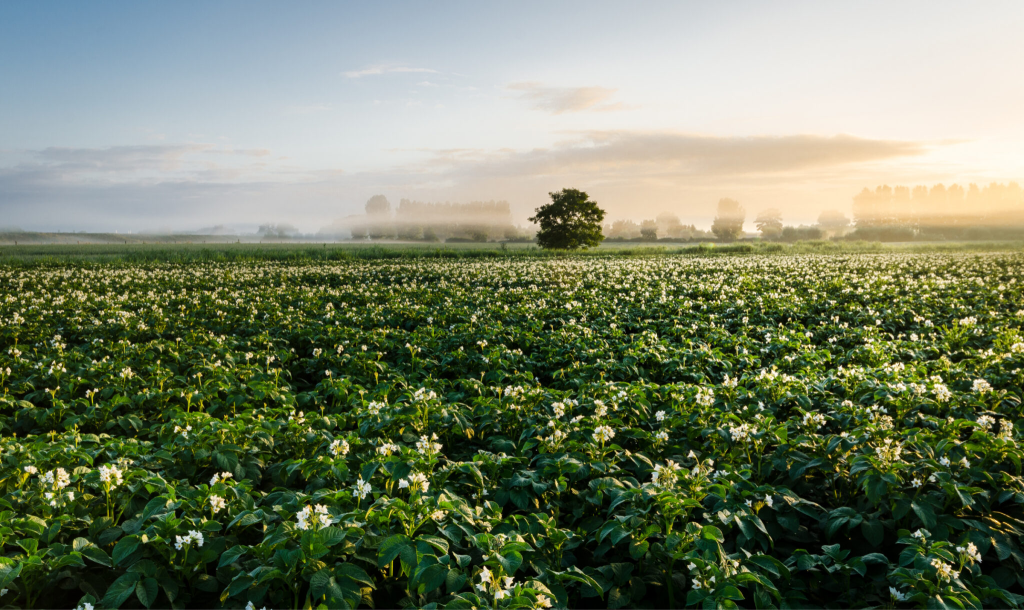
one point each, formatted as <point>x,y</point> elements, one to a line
<point>571,221</point>
<point>769,222</point>
<point>729,222</point>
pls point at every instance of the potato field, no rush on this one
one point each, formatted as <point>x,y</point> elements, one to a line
<point>586,432</point>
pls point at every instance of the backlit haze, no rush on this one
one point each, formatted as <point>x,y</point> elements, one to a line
<point>175,116</point>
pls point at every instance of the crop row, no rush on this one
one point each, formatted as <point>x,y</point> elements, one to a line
<point>817,431</point>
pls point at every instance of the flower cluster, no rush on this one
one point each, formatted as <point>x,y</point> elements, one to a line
<point>313,519</point>
<point>339,448</point>
<point>110,476</point>
<point>416,482</point>
<point>665,476</point>
<point>192,538</point>
<point>217,504</point>
<point>220,478</point>
<point>603,434</point>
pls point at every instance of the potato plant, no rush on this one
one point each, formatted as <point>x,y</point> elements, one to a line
<point>764,431</point>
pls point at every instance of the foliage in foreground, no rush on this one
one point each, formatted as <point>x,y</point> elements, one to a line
<point>766,431</point>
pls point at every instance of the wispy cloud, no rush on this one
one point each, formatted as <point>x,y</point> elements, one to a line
<point>386,69</point>
<point>632,154</point>
<point>142,163</point>
<point>560,100</point>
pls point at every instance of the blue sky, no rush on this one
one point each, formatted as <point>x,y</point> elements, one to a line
<point>138,116</point>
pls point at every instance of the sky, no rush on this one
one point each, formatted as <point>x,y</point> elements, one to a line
<point>176,116</point>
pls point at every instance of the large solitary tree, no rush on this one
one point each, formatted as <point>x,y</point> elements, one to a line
<point>571,221</point>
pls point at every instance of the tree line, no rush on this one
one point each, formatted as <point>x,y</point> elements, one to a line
<point>431,221</point>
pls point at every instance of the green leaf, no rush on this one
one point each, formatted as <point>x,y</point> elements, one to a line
<point>329,536</point>
<point>873,532</point>
<point>390,549</point>
<point>432,577</point>
<point>638,549</point>
<point>124,548</point>
<point>510,562</point>
<point>730,592</point>
<point>319,582</point>
<point>925,514</point>
<point>438,543</point>
<point>454,581</point>
<point>146,591</point>
<point>356,573</point>
<point>120,590</point>
<point>710,532</point>
<point>231,555</point>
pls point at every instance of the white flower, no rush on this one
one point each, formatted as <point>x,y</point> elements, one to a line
<point>58,479</point>
<point>110,475</point>
<point>665,476</point>
<point>660,416</point>
<point>193,537</point>
<point>603,434</point>
<point>339,448</point>
<point>741,432</point>
<point>217,504</point>
<point>425,445</point>
<point>220,478</point>
<point>944,570</point>
<point>31,469</point>
<point>661,436</point>
<point>981,386</point>
<point>944,461</point>
<point>896,595</point>
<point>363,488</point>
<point>814,420</point>
<point>970,551</point>
<point>387,449</point>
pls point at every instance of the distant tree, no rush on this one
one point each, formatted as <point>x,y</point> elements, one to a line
<point>378,205</point>
<point>729,222</point>
<point>833,220</point>
<point>569,222</point>
<point>769,223</point>
<point>279,230</point>
<point>622,229</point>
<point>669,225</point>
<point>649,230</point>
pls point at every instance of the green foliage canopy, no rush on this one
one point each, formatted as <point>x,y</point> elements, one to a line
<point>571,221</point>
